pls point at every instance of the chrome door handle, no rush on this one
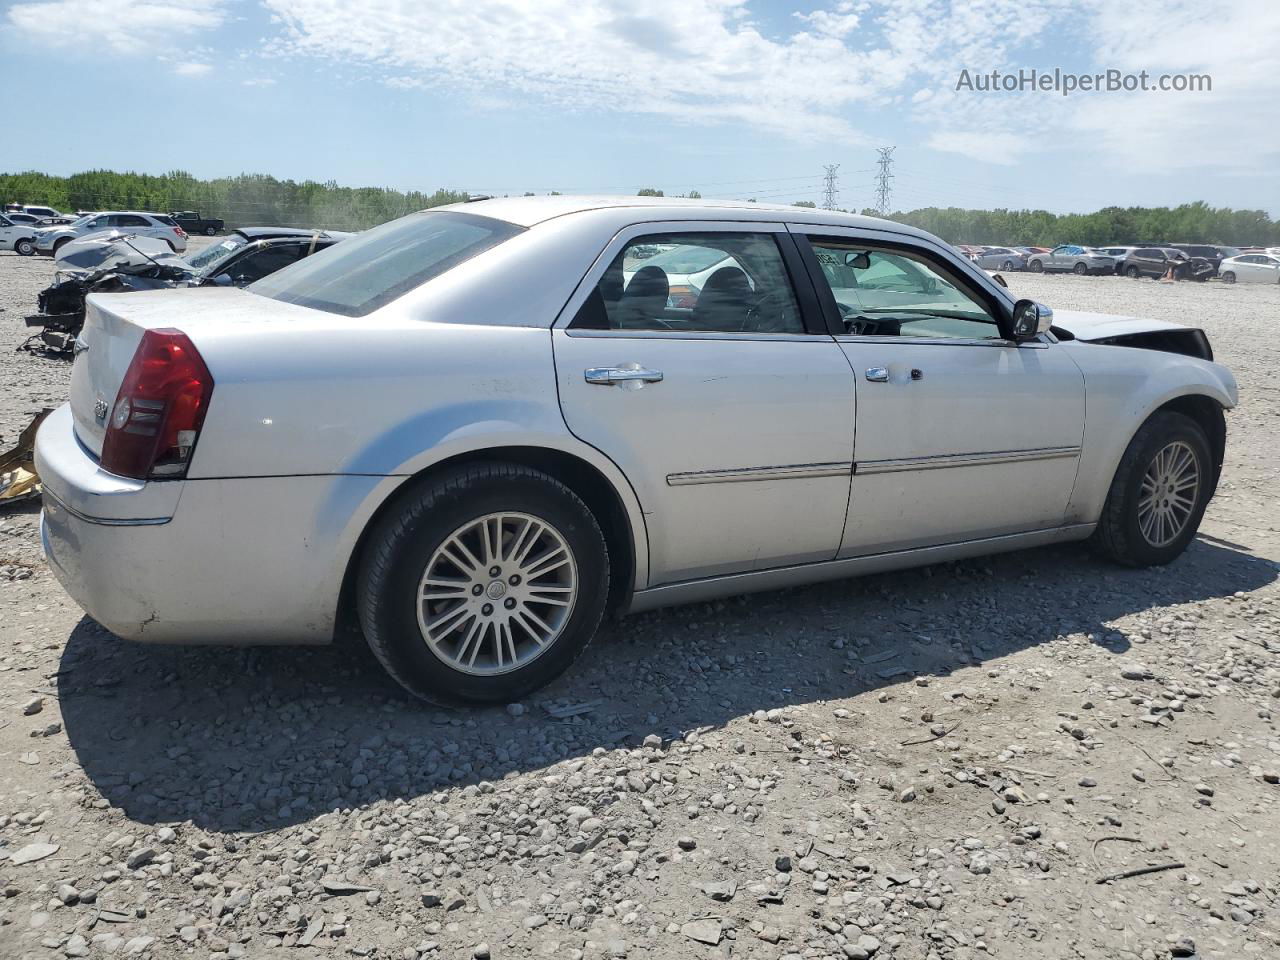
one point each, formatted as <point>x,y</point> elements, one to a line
<point>628,373</point>
<point>878,374</point>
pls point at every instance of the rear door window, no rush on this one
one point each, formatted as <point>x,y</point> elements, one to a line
<point>370,270</point>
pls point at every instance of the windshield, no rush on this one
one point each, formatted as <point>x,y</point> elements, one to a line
<point>357,276</point>
<point>206,261</point>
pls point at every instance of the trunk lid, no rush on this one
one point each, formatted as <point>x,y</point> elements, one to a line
<point>113,328</point>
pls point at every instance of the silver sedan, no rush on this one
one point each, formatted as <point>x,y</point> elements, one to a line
<point>477,429</point>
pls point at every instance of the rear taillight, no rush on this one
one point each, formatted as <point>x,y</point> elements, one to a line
<point>180,232</point>
<point>159,410</point>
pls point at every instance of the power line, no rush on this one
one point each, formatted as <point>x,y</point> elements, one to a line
<point>882,179</point>
<point>830,191</point>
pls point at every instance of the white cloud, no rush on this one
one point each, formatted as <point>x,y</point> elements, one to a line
<point>192,69</point>
<point>122,26</point>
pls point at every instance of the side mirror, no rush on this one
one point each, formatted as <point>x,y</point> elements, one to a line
<point>1030,319</point>
<point>223,279</point>
<point>859,261</point>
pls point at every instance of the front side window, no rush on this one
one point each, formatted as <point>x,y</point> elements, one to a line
<point>696,282</point>
<point>207,260</point>
<point>261,263</point>
<point>894,293</point>
<point>358,276</point>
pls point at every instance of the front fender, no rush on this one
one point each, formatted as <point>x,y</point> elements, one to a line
<point>1124,386</point>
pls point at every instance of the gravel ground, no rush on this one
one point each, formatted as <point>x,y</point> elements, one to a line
<point>940,763</point>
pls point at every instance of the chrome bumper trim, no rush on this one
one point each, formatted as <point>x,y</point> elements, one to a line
<point>109,521</point>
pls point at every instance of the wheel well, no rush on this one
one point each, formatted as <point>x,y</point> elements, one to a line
<point>582,478</point>
<point>1207,412</point>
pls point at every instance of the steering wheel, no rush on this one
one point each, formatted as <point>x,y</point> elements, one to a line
<point>777,300</point>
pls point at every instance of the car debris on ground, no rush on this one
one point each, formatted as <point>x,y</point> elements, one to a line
<point>18,478</point>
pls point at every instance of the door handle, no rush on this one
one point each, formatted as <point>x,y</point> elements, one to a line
<point>627,373</point>
<point>878,374</point>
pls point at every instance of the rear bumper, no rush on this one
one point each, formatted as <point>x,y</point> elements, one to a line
<point>244,561</point>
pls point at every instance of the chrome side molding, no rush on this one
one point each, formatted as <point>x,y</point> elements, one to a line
<point>795,471</point>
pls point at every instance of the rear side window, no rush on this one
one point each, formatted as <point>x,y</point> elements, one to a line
<point>357,276</point>
<point>167,221</point>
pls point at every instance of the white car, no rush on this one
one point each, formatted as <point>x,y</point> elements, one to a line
<point>443,430</point>
<point>49,240</point>
<point>1251,268</point>
<point>17,236</point>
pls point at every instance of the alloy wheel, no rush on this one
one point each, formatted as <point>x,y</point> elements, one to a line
<point>1170,488</point>
<point>497,593</point>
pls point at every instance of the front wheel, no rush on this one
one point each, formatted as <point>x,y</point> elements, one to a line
<point>1158,495</point>
<point>1133,273</point>
<point>210,231</point>
<point>1228,277</point>
<point>483,584</point>
<point>25,247</point>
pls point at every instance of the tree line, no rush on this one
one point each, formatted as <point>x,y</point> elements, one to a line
<point>261,200</point>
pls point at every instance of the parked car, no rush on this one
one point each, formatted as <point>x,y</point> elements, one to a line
<point>1071,258</point>
<point>55,221</point>
<point>19,217</point>
<point>1001,258</point>
<point>1251,268</point>
<point>250,253</point>
<point>193,223</point>
<point>18,237</point>
<point>35,211</point>
<point>50,239</point>
<point>1151,261</point>
<point>1121,254</point>
<point>1212,253</point>
<point>441,427</point>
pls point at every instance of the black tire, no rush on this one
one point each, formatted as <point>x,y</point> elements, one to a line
<point>210,231</point>
<point>1007,265</point>
<point>59,244</point>
<point>1119,536</point>
<point>1037,266</point>
<point>1080,269</point>
<point>1229,277</point>
<point>400,547</point>
<point>1133,273</point>
<point>26,247</point>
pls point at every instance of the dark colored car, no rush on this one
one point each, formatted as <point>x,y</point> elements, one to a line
<point>1212,252</point>
<point>193,223</point>
<point>250,253</point>
<point>1151,261</point>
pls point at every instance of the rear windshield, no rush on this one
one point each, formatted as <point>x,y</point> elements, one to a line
<point>368,271</point>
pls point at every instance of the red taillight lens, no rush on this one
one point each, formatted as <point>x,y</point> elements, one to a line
<point>180,232</point>
<point>159,410</point>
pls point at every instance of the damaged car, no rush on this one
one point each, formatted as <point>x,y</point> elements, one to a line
<point>118,263</point>
<point>469,433</point>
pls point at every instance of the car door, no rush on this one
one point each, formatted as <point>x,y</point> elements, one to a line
<point>728,406</point>
<point>8,234</point>
<point>960,433</point>
<point>1060,258</point>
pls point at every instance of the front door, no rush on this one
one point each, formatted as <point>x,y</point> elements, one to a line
<point>960,434</point>
<point>694,362</point>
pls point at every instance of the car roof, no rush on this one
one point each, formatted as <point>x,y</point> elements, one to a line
<point>529,211</point>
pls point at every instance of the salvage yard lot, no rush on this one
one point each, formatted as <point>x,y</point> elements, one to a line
<point>928,764</point>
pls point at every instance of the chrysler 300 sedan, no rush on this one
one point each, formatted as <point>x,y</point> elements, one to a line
<point>475,430</point>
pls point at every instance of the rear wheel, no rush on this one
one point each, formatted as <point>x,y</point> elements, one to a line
<point>483,584</point>
<point>1228,277</point>
<point>25,247</point>
<point>1080,269</point>
<point>1133,273</point>
<point>1158,495</point>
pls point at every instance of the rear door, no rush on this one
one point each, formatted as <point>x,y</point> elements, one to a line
<point>725,401</point>
<point>960,434</point>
